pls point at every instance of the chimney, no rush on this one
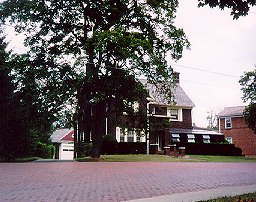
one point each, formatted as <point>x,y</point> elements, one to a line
<point>176,77</point>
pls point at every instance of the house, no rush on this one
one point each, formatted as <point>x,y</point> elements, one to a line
<point>232,124</point>
<point>170,123</point>
<point>63,140</point>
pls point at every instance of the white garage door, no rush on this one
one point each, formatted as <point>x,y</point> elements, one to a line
<point>67,151</point>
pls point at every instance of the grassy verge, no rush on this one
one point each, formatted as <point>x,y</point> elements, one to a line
<point>22,160</point>
<point>241,198</point>
<point>162,158</point>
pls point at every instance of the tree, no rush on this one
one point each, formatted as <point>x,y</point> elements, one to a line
<point>12,130</point>
<point>212,120</point>
<point>101,37</point>
<point>238,7</point>
<point>248,83</point>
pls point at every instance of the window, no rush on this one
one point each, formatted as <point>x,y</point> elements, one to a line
<point>137,138</point>
<point>165,111</point>
<point>122,137</point>
<point>175,138</point>
<point>228,123</point>
<point>174,113</point>
<point>230,140</point>
<point>191,138</point>
<point>206,139</point>
<point>130,136</point>
<point>158,110</point>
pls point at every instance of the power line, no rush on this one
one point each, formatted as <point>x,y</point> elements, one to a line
<point>203,70</point>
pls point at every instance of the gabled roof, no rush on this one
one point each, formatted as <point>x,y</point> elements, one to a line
<point>180,97</point>
<point>62,135</point>
<point>232,112</point>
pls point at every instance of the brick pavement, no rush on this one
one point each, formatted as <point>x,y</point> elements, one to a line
<point>74,181</point>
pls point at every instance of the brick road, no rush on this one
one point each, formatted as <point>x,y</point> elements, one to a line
<point>74,181</point>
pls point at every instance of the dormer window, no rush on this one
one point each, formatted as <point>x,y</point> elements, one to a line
<point>228,123</point>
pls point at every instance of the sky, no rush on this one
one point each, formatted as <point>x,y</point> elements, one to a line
<point>222,49</point>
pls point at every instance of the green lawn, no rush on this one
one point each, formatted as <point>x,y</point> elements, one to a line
<point>162,158</point>
<point>241,198</point>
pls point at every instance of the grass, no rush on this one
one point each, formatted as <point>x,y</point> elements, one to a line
<point>23,160</point>
<point>162,158</point>
<point>251,197</point>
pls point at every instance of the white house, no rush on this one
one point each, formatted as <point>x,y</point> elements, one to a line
<point>63,139</point>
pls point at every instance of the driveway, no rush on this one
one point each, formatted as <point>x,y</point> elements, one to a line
<point>78,181</point>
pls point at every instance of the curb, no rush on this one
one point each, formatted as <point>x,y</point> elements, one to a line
<point>201,195</point>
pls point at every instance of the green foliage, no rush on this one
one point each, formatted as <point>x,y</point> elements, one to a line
<point>109,145</point>
<point>109,42</point>
<point>250,197</point>
<point>248,83</point>
<point>83,149</point>
<point>44,150</point>
<point>238,7</point>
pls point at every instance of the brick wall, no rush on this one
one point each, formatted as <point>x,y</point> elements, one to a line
<point>242,136</point>
<point>186,122</point>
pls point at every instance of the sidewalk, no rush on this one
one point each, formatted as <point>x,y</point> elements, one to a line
<point>201,195</point>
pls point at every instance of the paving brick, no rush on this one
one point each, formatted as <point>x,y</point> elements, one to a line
<point>74,181</point>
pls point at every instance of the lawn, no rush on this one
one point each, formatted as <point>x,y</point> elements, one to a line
<point>162,158</point>
<point>241,198</point>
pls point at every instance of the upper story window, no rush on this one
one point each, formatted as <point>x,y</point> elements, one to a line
<point>228,123</point>
<point>166,111</point>
<point>174,114</point>
<point>159,110</point>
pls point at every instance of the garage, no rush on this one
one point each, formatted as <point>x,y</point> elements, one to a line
<point>63,139</point>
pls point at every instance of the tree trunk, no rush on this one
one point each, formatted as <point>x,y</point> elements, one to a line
<point>98,129</point>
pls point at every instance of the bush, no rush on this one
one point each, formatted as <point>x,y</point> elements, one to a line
<point>83,149</point>
<point>43,150</point>
<point>109,145</point>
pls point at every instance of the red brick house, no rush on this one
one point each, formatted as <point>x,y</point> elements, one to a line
<point>177,115</point>
<point>232,124</point>
<point>169,122</point>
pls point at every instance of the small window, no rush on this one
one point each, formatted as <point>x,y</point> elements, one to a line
<point>230,140</point>
<point>206,139</point>
<point>191,138</point>
<point>137,138</point>
<point>130,137</point>
<point>161,111</point>
<point>174,114</point>
<point>122,135</point>
<point>228,123</point>
<point>175,138</point>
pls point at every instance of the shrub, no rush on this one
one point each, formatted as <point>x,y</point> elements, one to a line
<point>83,149</point>
<point>44,151</point>
<point>109,145</point>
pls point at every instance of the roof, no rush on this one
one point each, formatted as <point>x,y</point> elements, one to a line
<point>62,135</point>
<point>180,97</point>
<point>232,111</point>
<point>194,131</point>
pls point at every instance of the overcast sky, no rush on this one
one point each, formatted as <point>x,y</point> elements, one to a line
<point>219,44</point>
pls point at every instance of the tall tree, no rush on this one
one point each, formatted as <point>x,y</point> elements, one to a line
<point>102,36</point>
<point>248,83</point>
<point>12,132</point>
<point>238,7</point>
